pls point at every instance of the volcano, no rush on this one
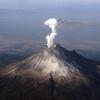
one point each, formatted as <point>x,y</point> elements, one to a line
<point>61,66</point>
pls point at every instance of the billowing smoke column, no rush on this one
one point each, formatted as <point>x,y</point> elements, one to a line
<point>52,23</point>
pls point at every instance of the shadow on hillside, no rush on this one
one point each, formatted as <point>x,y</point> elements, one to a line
<point>19,88</point>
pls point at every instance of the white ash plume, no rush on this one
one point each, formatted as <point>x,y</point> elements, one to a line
<point>52,23</point>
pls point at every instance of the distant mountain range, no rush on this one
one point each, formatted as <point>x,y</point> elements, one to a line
<point>95,55</point>
<point>14,53</point>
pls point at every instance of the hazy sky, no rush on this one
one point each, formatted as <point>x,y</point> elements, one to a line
<point>34,3</point>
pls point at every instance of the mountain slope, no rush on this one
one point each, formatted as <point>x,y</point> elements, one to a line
<point>55,60</point>
<point>71,72</point>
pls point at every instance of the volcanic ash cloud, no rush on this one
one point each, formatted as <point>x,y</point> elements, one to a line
<point>52,23</point>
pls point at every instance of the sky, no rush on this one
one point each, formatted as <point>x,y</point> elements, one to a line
<point>30,22</point>
<point>18,4</point>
